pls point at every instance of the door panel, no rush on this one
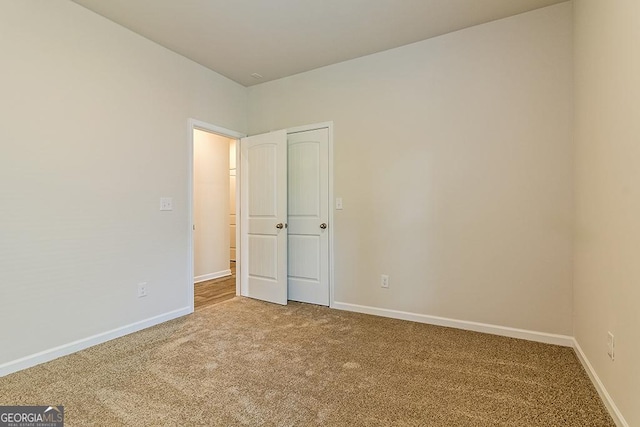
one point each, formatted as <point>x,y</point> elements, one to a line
<point>263,270</point>
<point>262,172</point>
<point>304,173</point>
<point>308,208</point>
<point>264,256</point>
<point>304,257</point>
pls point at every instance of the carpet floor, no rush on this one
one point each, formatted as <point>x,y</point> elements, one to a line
<point>248,363</point>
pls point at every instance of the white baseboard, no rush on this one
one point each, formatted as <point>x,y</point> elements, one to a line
<point>563,340</point>
<point>211,276</point>
<point>72,347</point>
<point>602,391</point>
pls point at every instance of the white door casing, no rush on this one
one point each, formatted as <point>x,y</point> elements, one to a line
<point>197,124</point>
<point>263,216</point>
<point>308,216</point>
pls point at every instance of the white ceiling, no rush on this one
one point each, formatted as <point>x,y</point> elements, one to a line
<point>279,38</point>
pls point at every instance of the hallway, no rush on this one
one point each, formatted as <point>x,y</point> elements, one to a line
<point>215,291</point>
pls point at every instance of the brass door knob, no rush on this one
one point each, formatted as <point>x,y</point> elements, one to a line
<point>323,225</point>
<point>280,226</point>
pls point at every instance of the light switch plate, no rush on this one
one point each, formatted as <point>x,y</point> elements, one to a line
<point>166,204</point>
<point>338,203</point>
<point>611,346</point>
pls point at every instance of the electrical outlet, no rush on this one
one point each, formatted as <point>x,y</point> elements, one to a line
<point>611,345</point>
<point>142,289</point>
<point>166,203</point>
<point>384,281</point>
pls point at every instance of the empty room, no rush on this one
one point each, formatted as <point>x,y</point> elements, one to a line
<point>431,217</point>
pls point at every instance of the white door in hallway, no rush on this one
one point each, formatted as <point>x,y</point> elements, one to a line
<point>263,217</point>
<point>308,216</point>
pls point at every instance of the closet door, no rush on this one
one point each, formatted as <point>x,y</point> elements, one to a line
<point>263,217</point>
<point>308,213</point>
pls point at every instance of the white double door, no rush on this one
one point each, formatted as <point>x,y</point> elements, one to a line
<point>284,216</point>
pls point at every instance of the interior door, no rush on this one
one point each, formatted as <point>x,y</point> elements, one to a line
<point>308,215</point>
<point>263,217</point>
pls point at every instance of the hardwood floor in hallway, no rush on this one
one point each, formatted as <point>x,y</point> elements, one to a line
<point>215,291</point>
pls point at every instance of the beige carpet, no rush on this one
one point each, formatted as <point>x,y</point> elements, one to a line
<point>245,362</point>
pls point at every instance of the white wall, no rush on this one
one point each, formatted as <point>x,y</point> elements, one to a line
<point>93,131</point>
<point>454,160</point>
<point>607,240</point>
<point>211,205</point>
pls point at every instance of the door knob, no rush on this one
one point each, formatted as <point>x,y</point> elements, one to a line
<point>280,226</point>
<point>323,225</point>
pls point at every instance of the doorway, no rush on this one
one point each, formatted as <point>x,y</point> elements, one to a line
<point>212,196</point>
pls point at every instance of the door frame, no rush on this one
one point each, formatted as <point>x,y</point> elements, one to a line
<point>329,126</point>
<point>228,133</point>
<point>194,124</point>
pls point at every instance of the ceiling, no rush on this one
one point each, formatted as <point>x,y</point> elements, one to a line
<point>279,38</point>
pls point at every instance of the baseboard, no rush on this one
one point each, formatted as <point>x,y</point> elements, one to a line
<point>211,276</point>
<point>563,340</point>
<point>72,347</point>
<point>602,391</point>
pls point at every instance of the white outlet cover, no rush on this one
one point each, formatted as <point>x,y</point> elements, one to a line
<point>384,281</point>
<point>166,204</point>
<point>142,289</point>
